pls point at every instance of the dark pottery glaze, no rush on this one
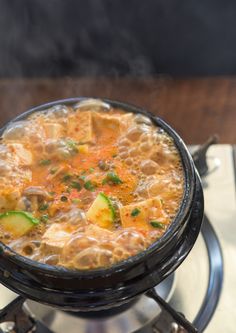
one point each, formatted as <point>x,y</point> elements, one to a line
<point>104,288</point>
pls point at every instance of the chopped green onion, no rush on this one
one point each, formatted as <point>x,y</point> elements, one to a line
<point>64,198</point>
<point>91,169</point>
<point>156,224</point>
<point>112,178</point>
<point>44,218</point>
<point>66,177</point>
<point>135,212</point>
<point>44,162</point>
<point>43,207</point>
<point>89,186</point>
<point>72,145</point>
<point>53,171</point>
<point>76,185</point>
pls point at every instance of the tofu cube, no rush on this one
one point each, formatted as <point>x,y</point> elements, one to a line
<point>80,126</point>
<point>54,239</point>
<point>53,131</point>
<point>140,214</point>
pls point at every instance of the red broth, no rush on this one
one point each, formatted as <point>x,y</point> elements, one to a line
<point>86,186</point>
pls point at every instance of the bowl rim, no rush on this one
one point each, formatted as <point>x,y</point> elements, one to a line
<point>172,230</point>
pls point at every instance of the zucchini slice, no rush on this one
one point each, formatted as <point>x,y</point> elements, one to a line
<point>101,212</point>
<point>17,223</point>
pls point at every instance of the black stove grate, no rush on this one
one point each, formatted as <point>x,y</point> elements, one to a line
<point>15,313</point>
<point>24,323</point>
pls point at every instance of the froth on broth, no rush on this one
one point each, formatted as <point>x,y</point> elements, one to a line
<point>86,186</point>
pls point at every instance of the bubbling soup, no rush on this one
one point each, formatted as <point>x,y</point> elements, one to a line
<point>86,186</point>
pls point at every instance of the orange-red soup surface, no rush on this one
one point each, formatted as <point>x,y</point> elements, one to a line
<point>87,186</point>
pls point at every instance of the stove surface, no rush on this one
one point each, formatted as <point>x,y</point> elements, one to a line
<point>220,207</point>
<point>191,278</point>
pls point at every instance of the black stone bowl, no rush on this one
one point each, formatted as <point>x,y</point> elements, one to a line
<point>109,287</point>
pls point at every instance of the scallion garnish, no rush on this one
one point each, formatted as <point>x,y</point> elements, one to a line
<point>76,185</point>
<point>82,177</point>
<point>44,162</point>
<point>66,177</point>
<point>156,224</point>
<point>71,144</point>
<point>112,178</point>
<point>135,212</point>
<point>43,207</point>
<point>53,171</point>
<point>44,218</point>
<point>88,185</point>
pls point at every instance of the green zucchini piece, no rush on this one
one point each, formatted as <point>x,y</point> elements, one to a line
<point>101,212</point>
<point>17,223</point>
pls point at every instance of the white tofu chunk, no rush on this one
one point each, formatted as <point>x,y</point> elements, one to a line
<point>53,130</point>
<point>80,126</point>
<point>107,121</point>
<point>20,154</point>
<point>54,239</point>
<point>140,214</point>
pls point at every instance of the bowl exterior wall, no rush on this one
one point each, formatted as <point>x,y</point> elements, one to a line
<point>105,288</point>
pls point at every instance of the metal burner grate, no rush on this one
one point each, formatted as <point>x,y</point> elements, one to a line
<point>169,321</point>
<point>166,324</point>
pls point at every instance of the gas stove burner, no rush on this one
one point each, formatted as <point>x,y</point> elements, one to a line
<point>183,292</point>
<point>143,316</point>
<point>137,316</point>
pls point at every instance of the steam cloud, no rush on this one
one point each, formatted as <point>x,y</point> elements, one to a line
<point>56,38</point>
